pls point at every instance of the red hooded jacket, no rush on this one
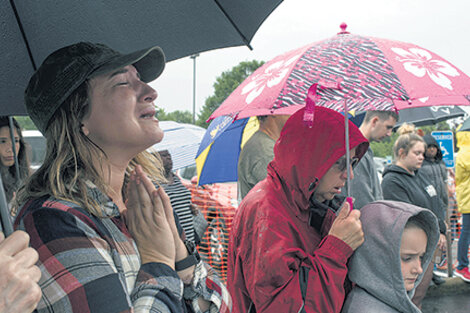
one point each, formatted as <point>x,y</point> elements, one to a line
<point>274,253</point>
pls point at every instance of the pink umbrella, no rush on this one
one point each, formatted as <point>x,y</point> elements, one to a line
<point>366,73</point>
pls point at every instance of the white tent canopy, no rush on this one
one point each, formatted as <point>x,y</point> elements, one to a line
<point>182,141</point>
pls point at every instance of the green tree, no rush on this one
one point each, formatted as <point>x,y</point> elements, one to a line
<point>385,147</point>
<point>26,123</point>
<point>439,126</point>
<point>224,85</point>
<point>177,116</point>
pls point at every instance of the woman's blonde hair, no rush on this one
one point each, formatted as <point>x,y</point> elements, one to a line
<point>152,165</point>
<point>406,140</point>
<point>68,163</point>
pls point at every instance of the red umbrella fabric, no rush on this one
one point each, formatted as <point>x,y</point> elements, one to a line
<point>370,74</point>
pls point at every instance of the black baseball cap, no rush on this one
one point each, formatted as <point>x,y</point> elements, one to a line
<point>64,70</point>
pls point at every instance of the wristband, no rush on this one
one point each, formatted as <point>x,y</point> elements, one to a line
<point>192,259</point>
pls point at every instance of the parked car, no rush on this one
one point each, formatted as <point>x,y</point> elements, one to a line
<point>380,164</point>
<point>36,147</point>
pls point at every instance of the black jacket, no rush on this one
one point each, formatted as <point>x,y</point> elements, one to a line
<point>399,185</point>
<point>436,171</point>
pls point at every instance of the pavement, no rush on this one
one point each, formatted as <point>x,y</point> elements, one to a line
<point>451,297</point>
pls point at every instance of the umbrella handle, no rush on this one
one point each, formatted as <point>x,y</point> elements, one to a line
<point>346,134</point>
<point>13,146</point>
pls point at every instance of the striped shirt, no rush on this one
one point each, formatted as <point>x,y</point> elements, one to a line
<point>92,264</point>
<point>180,198</point>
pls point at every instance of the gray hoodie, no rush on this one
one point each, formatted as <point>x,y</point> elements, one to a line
<point>375,267</point>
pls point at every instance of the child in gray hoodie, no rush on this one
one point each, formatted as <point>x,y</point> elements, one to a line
<point>400,240</point>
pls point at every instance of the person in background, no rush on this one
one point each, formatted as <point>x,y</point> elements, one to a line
<point>400,240</point>
<point>19,291</point>
<point>292,234</point>
<point>180,198</point>
<point>404,182</point>
<point>104,248</point>
<point>365,187</point>
<point>11,182</point>
<point>435,170</point>
<point>258,152</point>
<point>462,182</point>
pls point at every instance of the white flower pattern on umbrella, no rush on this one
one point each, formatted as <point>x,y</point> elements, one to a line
<point>419,62</point>
<point>271,76</point>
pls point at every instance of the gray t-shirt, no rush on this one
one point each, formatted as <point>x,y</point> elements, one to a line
<point>365,187</point>
<point>253,162</point>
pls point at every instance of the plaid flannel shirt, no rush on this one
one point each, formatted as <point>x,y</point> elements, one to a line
<point>92,264</point>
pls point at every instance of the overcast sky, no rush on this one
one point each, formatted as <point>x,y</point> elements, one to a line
<point>439,26</point>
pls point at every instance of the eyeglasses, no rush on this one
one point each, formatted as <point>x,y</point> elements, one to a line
<point>341,163</point>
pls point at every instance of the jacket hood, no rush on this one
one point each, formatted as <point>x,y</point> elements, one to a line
<point>375,266</point>
<point>463,140</point>
<point>395,168</point>
<point>431,141</point>
<point>302,154</point>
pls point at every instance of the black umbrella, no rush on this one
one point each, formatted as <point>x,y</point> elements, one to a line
<point>420,116</point>
<point>465,126</point>
<point>429,115</point>
<point>32,29</point>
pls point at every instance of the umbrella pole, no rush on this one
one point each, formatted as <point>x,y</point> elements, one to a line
<point>346,134</point>
<point>13,146</point>
<point>7,227</point>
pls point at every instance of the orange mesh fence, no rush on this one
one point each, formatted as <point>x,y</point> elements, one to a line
<point>218,204</point>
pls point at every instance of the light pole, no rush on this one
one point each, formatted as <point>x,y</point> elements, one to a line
<point>194,56</point>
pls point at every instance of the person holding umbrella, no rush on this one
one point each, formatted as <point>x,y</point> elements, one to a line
<point>104,248</point>
<point>19,276</point>
<point>292,235</point>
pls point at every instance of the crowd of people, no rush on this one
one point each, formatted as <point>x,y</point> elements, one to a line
<point>106,226</point>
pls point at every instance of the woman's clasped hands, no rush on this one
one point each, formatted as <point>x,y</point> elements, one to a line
<point>151,222</point>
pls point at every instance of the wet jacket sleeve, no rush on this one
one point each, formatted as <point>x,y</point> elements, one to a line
<point>277,272</point>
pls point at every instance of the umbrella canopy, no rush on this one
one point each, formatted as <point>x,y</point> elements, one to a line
<point>32,29</point>
<point>368,74</point>
<point>465,126</point>
<point>217,158</point>
<point>181,140</point>
<point>421,116</point>
<point>346,73</point>
<point>429,115</point>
